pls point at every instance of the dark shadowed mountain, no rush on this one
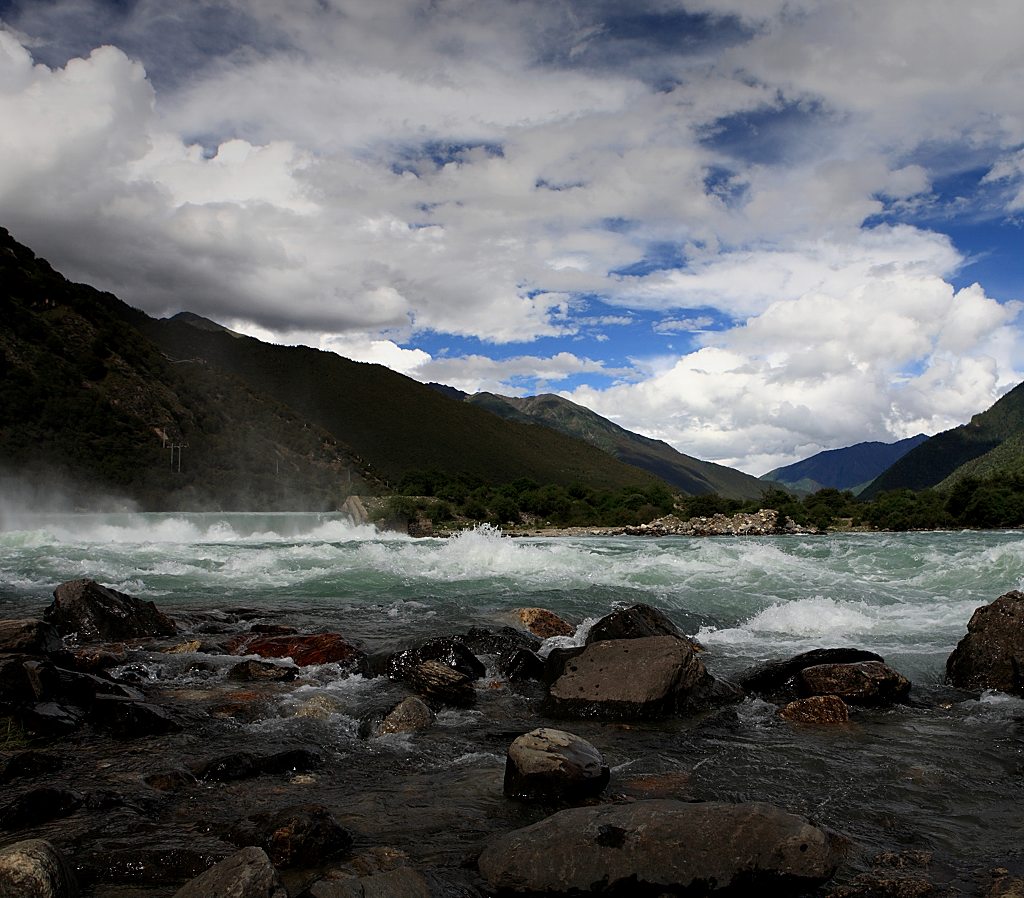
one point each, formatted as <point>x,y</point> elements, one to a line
<point>989,446</point>
<point>689,475</point>
<point>90,404</point>
<point>852,468</point>
<point>397,425</point>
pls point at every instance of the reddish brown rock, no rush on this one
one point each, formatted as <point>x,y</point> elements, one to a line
<point>304,650</point>
<point>816,709</point>
<point>32,637</point>
<point>863,683</point>
<point>543,623</point>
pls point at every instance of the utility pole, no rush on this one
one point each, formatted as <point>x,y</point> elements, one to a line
<point>178,447</point>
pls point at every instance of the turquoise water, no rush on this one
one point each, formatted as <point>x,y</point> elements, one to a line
<point>942,774</point>
<point>906,596</point>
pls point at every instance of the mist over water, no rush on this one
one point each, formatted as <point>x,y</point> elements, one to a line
<point>906,596</point>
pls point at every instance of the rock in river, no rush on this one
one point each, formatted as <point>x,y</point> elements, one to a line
<point>245,874</point>
<point>862,683</point>
<point>94,612</point>
<point>549,764</point>
<point>632,678</point>
<point>35,869</point>
<point>991,655</point>
<point>661,845</point>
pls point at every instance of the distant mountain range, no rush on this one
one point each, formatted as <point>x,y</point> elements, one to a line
<point>184,413</point>
<point>852,468</point>
<point>990,445</point>
<point>688,475</point>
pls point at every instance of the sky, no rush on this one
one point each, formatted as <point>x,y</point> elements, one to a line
<point>755,229</point>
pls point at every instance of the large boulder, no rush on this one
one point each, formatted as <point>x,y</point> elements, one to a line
<point>88,611</point>
<point>661,845</point>
<point>245,874</point>
<point>35,869</point>
<point>863,683</point>
<point>627,679</point>
<point>552,765</point>
<point>409,716</point>
<point>991,655</point>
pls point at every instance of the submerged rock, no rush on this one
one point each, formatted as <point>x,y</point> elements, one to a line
<point>408,716</point>
<point>661,845</point>
<point>246,874</point>
<point>991,655</point>
<point>38,806</point>
<point>35,869</point>
<point>304,650</point>
<point>543,623</point>
<point>29,764</point>
<point>862,683</point>
<point>262,671</point>
<point>552,765</point>
<point>296,835</point>
<point>125,718</point>
<point>89,611</point>
<point>816,709</point>
<point>440,684</point>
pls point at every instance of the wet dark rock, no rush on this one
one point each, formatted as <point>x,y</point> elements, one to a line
<point>15,688</point>
<point>125,718</point>
<point>262,671</point>
<point>552,765</point>
<point>245,874</point>
<point>410,715</point>
<point>54,684</point>
<point>244,765</point>
<point>557,659</point>
<point>295,836</point>
<point>304,650</point>
<point>38,806</point>
<point>991,655</point>
<point>447,651</point>
<point>89,611</point>
<point>627,679</point>
<point>31,637</point>
<point>93,660</point>
<point>505,641</point>
<point>880,885</point>
<point>402,882</point>
<point>29,764</point>
<point>522,665</point>
<point>543,623</point>
<point>862,683</point>
<point>273,629</point>
<point>439,684</point>
<point>143,865</point>
<point>635,622</point>
<point>778,678</point>
<point>661,845</point>
<point>825,709</point>
<point>35,869</point>
<point>170,780</point>
<point>51,718</point>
